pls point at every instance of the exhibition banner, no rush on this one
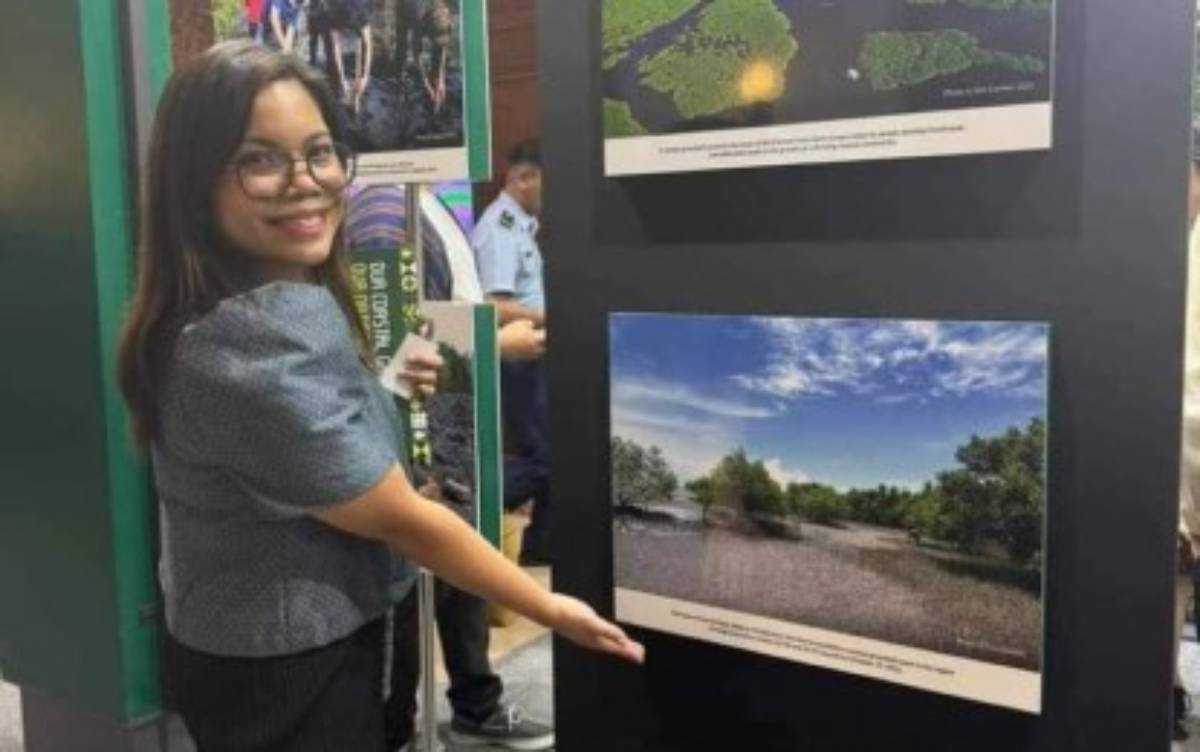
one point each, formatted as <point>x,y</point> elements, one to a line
<point>721,84</point>
<point>411,76</point>
<point>454,435</point>
<point>865,495</point>
<point>464,413</point>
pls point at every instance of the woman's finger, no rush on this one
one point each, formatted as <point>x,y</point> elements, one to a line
<point>625,648</point>
<point>430,360</point>
<point>419,378</point>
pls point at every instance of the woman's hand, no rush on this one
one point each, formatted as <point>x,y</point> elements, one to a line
<point>421,530</point>
<point>421,370</point>
<point>576,621</point>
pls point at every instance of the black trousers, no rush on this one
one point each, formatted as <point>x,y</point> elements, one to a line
<point>527,474</point>
<point>323,700</point>
<point>462,625</point>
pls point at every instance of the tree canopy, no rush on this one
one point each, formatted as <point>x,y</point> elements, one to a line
<point>993,500</point>
<point>640,475</point>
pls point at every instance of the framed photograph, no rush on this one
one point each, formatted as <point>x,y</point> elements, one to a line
<point>864,495</point>
<point>718,84</point>
<point>411,76</point>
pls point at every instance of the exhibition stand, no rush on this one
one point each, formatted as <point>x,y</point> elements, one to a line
<point>743,281</point>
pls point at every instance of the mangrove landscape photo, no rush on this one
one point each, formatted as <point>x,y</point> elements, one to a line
<point>878,478</point>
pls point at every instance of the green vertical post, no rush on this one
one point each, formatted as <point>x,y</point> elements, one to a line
<point>489,462</point>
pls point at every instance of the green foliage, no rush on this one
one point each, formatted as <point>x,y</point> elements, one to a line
<point>995,499</point>
<point>883,505</point>
<point>744,488</point>
<point>998,496</point>
<point>703,68</point>
<point>816,503</point>
<point>701,490</point>
<point>896,59</point>
<point>626,21</point>
<point>619,121</point>
<point>923,515</point>
<point>228,18</point>
<point>640,475</point>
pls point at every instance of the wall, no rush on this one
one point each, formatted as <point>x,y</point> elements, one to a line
<point>77,618</point>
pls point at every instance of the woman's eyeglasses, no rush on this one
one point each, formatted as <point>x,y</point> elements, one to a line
<point>265,173</point>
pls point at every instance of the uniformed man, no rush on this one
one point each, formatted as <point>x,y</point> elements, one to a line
<point>510,270</point>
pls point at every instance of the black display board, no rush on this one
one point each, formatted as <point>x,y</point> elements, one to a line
<point>1089,237</point>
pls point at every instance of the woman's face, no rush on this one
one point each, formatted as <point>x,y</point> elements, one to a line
<point>289,231</point>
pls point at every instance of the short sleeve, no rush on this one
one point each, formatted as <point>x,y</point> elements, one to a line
<point>498,256</point>
<point>275,393</point>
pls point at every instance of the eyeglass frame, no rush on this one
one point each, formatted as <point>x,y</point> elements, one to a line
<point>349,167</point>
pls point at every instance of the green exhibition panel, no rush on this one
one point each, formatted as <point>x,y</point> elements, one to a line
<point>78,620</point>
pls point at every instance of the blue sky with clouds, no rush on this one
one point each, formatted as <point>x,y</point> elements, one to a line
<point>849,402</point>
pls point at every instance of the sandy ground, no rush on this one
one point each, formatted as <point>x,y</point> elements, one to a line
<point>860,580</point>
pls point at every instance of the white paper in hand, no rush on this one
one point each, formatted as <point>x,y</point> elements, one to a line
<point>391,378</point>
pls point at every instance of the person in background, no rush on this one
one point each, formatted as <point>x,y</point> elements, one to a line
<point>1189,514</point>
<point>276,450</point>
<point>377,219</point>
<point>510,270</point>
<point>327,21</point>
<point>253,14</point>
<point>432,23</point>
<point>279,22</point>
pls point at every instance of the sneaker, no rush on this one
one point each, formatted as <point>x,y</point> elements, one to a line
<point>507,728</point>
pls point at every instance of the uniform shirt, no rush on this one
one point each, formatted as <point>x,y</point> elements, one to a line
<point>269,415</point>
<point>507,254</point>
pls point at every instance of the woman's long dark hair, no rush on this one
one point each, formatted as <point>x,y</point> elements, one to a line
<point>183,267</point>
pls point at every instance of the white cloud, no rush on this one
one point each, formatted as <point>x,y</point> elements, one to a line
<point>898,361</point>
<point>693,430</point>
<point>692,447</point>
<point>782,379</point>
<point>656,393</point>
<point>784,475</point>
<point>896,399</point>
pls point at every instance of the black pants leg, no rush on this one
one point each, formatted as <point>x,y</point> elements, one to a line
<point>462,624</point>
<point>527,475</point>
<point>525,480</point>
<point>323,700</point>
<point>400,711</point>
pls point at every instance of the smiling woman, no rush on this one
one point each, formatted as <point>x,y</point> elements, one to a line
<point>276,449</point>
<point>284,217</point>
